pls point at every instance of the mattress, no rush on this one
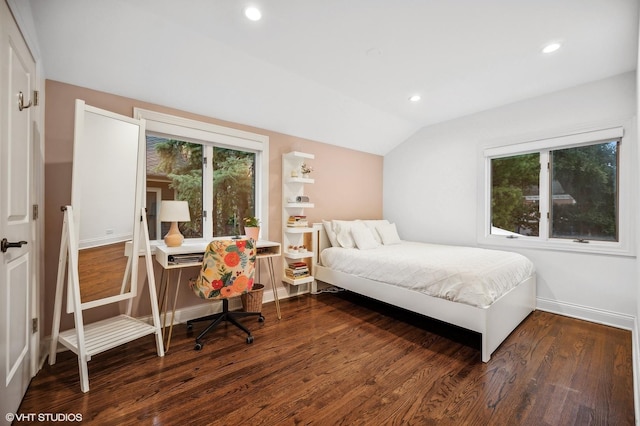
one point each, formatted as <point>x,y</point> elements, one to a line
<point>474,276</point>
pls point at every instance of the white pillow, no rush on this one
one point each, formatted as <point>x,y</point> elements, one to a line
<point>343,235</point>
<point>388,233</point>
<point>328,227</point>
<point>363,237</point>
<point>371,224</point>
<point>342,229</point>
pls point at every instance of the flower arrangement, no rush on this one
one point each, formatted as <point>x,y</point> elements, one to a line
<point>305,168</point>
<point>251,221</point>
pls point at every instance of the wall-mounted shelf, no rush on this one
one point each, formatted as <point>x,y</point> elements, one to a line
<point>297,266</point>
<point>299,205</point>
<point>299,180</point>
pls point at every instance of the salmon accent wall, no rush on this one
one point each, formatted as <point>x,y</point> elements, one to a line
<point>348,183</point>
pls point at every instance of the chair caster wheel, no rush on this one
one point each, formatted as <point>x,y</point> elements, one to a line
<point>197,347</point>
<point>249,339</point>
<point>260,318</point>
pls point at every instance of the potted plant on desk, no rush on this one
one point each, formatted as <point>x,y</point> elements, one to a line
<point>252,227</point>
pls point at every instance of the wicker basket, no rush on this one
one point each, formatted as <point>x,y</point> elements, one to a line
<point>252,301</point>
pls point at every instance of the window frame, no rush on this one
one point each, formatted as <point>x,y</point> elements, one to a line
<point>625,246</point>
<point>210,135</point>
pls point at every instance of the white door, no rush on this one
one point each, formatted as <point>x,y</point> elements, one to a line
<point>17,75</point>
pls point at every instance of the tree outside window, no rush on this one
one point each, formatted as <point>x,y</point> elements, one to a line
<point>177,167</point>
<point>582,193</point>
<point>585,198</point>
<point>515,194</point>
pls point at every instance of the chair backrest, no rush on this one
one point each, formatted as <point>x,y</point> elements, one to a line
<point>228,268</point>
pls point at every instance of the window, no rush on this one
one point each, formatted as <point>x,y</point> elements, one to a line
<point>584,192</point>
<point>174,172</point>
<point>515,195</point>
<point>221,172</point>
<point>560,193</point>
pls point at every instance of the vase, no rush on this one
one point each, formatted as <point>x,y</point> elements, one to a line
<point>252,232</point>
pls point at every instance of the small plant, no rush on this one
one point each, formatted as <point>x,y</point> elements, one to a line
<point>251,221</point>
<point>305,168</point>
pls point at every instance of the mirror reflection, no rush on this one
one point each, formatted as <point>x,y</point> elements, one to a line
<point>101,272</point>
<point>105,173</point>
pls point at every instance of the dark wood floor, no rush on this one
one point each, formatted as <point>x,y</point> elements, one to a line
<point>339,359</point>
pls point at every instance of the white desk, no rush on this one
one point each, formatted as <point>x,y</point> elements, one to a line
<point>168,258</point>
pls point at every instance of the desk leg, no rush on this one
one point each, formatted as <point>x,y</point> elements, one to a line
<point>272,278</point>
<point>173,311</point>
<point>164,288</point>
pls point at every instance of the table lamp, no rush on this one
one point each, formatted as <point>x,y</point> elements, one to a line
<point>174,212</point>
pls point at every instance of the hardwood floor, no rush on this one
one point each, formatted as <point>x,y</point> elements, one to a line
<point>341,359</point>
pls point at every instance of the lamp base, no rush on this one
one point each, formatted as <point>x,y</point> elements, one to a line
<point>173,238</point>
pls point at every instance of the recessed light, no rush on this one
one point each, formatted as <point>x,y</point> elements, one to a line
<point>551,47</point>
<point>253,13</point>
<point>415,98</point>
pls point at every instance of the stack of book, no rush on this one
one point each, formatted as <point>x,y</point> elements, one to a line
<point>297,270</point>
<point>297,221</point>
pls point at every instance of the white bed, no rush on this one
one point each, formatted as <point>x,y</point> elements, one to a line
<point>493,311</point>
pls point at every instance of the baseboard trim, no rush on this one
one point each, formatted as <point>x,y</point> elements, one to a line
<point>599,316</point>
<point>182,315</point>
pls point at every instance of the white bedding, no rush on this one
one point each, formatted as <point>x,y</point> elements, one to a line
<point>461,274</point>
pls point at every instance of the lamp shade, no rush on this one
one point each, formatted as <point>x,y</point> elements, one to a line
<point>174,211</point>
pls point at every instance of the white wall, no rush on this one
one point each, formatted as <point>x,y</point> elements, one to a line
<point>431,190</point>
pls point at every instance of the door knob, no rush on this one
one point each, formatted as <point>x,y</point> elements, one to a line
<point>5,245</point>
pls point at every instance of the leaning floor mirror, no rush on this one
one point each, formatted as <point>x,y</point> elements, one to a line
<point>104,235</point>
<point>105,202</point>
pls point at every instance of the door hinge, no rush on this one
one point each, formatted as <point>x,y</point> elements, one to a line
<point>34,325</point>
<point>36,98</point>
<point>34,214</point>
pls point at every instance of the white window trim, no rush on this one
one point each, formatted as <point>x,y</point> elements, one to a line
<point>158,196</point>
<point>579,137</point>
<point>220,136</point>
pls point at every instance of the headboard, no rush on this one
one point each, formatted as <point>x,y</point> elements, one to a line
<point>322,240</point>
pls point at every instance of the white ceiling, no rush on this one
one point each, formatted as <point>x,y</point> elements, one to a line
<point>335,71</point>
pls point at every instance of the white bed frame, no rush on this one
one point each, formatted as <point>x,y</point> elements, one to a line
<point>495,322</point>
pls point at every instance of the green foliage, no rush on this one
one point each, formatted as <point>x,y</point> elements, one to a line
<point>512,179</point>
<point>233,189</point>
<point>182,163</point>
<point>251,221</point>
<point>589,175</point>
<point>584,198</point>
<point>233,184</point>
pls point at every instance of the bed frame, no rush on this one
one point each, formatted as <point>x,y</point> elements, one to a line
<point>495,322</point>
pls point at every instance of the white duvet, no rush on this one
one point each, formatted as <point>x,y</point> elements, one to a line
<point>461,274</point>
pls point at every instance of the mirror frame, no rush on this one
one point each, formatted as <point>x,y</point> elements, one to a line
<point>81,155</point>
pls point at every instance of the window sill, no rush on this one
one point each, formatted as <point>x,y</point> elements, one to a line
<point>523,242</point>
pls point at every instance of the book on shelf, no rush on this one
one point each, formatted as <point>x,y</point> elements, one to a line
<point>297,270</point>
<point>297,221</point>
<point>296,274</point>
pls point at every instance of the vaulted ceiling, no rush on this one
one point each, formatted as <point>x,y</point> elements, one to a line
<point>335,71</point>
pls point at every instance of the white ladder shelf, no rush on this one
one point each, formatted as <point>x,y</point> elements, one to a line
<point>106,334</point>
<point>94,338</point>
